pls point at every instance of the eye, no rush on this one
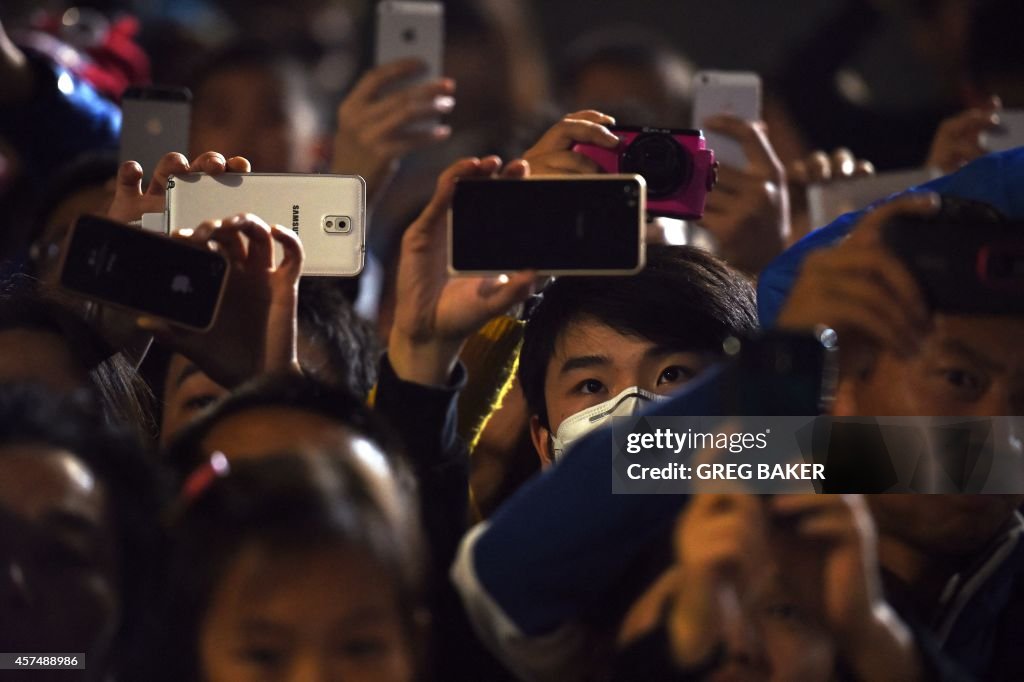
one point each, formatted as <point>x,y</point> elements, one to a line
<point>261,656</point>
<point>786,612</point>
<point>200,402</point>
<point>675,374</point>
<point>964,383</point>
<point>363,647</point>
<point>589,387</point>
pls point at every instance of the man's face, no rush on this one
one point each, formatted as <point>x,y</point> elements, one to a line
<point>969,366</point>
<point>593,363</point>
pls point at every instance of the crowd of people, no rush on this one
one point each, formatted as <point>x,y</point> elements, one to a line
<point>405,475</point>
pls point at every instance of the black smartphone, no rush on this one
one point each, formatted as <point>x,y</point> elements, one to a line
<point>556,226</point>
<point>963,268</point>
<point>155,121</point>
<point>145,272</point>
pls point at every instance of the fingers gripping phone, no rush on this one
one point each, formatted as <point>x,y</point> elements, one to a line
<point>143,272</point>
<point>556,226</point>
<point>154,122</point>
<point>737,93</point>
<point>327,212</point>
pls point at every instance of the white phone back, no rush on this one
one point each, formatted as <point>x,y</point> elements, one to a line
<point>726,92</point>
<point>411,29</point>
<point>305,203</point>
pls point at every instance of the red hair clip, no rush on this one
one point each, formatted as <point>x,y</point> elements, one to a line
<point>204,476</point>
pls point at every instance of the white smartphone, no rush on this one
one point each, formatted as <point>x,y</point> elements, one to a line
<point>154,122</point>
<point>827,202</point>
<point>327,212</point>
<point>726,92</point>
<point>412,29</point>
<point>1009,134</point>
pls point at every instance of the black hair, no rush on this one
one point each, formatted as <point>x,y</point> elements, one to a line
<point>288,502</point>
<point>326,318</point>
<point>123,395</point>
<point>684,298</point>
<point>92,169</point>
<point>631,47</point>
<point>286,391</point>
<point>32,415</point>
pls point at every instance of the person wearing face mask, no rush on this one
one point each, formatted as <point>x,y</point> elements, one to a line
<point>601,347</point>
<point>593,348</point>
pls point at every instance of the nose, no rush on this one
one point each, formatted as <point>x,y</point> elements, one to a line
<point>309,667</point>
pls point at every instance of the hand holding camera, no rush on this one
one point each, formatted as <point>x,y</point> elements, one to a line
<point>555,152</point>
<point>860,289</point>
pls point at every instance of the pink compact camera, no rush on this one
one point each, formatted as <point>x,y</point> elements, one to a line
<point>677,166</point>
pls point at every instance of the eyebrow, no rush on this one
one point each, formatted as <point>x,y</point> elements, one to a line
<point>972,354</point>
<point>260,626</point>
<point>190,369</point>
<point>584,362</point>
<point>662,351</point>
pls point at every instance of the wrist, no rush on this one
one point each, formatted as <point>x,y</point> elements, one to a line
<point>428,363</point>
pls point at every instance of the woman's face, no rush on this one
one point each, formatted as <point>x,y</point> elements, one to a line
<point>323,614</point>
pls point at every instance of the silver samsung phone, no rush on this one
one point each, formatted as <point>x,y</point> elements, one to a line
<point>327,212</point>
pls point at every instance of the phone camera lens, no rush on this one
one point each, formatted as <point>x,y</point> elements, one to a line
<point>342,224</point>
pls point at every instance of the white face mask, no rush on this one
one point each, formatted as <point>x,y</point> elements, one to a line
<point>631,401</point>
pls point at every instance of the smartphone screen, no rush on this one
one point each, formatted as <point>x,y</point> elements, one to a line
<point>566,226</point>
<point>146,272</point>
<point>155,121</point>
<point>726,92</point>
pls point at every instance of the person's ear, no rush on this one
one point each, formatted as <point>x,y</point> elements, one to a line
<point>541,437</point>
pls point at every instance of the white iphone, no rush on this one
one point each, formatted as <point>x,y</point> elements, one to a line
<point>726,92</point>
<point>327,212</point>
<point>412,29</point>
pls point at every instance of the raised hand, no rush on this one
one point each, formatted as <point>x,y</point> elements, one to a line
<point>437,312</point>
<point>255,329</point>
<point>130,202</point>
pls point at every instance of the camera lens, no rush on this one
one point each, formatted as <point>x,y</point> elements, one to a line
<point>665,164</point>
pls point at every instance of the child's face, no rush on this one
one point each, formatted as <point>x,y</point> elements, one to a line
<point>325,614</point>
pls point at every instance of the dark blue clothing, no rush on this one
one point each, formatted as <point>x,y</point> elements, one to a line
<point>992,179</point>
<point>64,118</point>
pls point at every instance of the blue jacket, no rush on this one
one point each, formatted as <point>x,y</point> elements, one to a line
<point>994,179</point>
